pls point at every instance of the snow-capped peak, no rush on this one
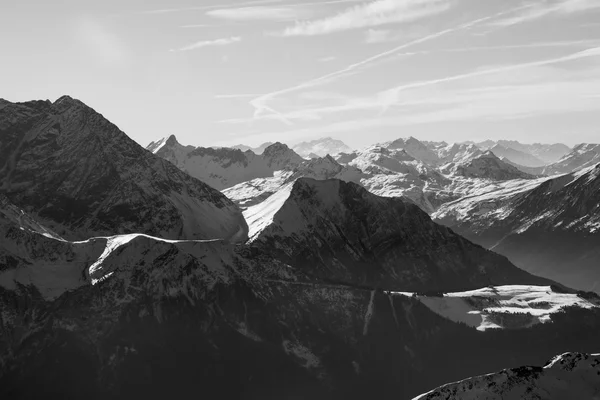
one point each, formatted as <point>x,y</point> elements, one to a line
<point>321,147</point>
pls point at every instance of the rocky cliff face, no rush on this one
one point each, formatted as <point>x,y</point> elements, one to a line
<point>549,227</point>
<point>568,376</point>
<point>279,156</point>
<point>81,176</point>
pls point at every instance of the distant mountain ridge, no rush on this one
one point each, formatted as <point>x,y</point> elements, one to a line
<point>225,167</point>
<point>122,276</point>
<point>321,147</point>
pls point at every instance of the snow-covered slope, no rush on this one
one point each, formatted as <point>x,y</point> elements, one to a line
<point>81,176</point>
<point>321,147</point>
<point>506,307</point>
<point>339,230</point>
<point>549,226</point>
<point>253,192</point>
<point>567,376</point>
<point>582,156</point>
<point>488,166</point>
<point>458,153</point>
<point>395,173</point>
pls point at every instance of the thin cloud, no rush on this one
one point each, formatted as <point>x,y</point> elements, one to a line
<point>377,35</point>
<point>327,59</point>
<point>200,26</point>
<point>209,7</point>
<point>279,12</point>
<point>546,8</point>
<point>375,13</point>
<point>244,4</point>
<point>260,13</point>
<point>208,43</point>
<point>260,103</point>
<point>391,97</point>
<point>562,43</point>
<point>235,96</point>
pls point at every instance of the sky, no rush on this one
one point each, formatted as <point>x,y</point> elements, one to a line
<point>218,73</point>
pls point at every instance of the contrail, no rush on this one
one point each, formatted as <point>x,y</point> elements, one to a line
<point>393,92</point>
<point>259,103</point>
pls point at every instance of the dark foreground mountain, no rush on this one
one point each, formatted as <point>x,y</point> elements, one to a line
<point>550,228</point>
<point>82,176</point>
<point>568,376</point>
<point>153,318</point>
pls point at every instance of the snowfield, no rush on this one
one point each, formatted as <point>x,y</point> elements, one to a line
<point>504,307</point>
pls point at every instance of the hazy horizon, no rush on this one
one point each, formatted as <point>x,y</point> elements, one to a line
<point>249,72</point>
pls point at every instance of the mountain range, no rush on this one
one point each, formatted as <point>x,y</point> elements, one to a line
<point>381,272</point>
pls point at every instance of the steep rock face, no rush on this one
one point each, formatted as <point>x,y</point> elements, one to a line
<point>582,156</point>
<point>568,376</point>
<point>83,177</point>
<point>321,147</point>
<point>342,232</point>
<point>220,168</point>
<point>489,166</point>
<point>279,156</point>
<point>550,227</point>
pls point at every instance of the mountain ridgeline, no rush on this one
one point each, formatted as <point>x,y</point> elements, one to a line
<point>125,273</point>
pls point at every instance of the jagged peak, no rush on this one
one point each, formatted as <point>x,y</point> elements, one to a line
<point>489,154</point>
<point>66,102</point>
<point>276,147</point>
<point>171,141</point>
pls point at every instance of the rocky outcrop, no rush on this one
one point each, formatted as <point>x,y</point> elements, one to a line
<point>279,156</point>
